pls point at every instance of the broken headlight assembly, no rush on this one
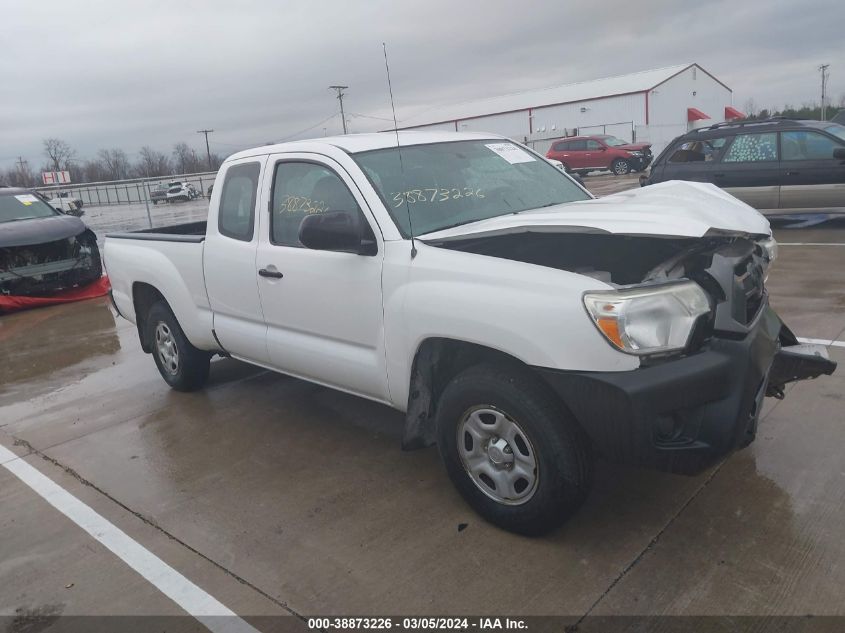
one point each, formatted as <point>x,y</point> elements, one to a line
<point>648,319</point>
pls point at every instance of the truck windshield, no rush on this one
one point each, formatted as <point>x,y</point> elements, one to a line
<point>23,206</point>
<point>442,185</point>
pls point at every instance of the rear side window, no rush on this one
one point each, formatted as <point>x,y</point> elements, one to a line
<point>561,147</point>
<point>594,145</point>
<point>301,189</point>
<point>578,145</point>
<point>236,217</point>
<point>806,145</point>
<point>753,148</point>
<point>698,151</point>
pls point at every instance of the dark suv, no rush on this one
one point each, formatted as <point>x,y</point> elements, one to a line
<point>776,165</point>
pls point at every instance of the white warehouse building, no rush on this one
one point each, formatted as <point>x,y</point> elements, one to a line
<point>651,106</point>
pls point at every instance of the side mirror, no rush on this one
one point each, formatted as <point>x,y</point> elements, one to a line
<point>839,153</point>
<point>335,231</point>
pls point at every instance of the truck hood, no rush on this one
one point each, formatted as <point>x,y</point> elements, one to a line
<point>670,209</point>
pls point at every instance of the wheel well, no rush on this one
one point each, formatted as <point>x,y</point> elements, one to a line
<point>436,362</point>
<point>143,297</point>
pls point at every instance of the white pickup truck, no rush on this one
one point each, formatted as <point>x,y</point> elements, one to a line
<point>521,324</point>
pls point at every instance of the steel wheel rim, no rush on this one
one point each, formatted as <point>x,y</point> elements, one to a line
<point>168,352</point>
<point>497,455</point>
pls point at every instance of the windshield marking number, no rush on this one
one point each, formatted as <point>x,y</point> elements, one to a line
<point>437,195</point>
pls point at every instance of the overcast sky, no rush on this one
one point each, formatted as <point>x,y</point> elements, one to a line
<point>126,74</point>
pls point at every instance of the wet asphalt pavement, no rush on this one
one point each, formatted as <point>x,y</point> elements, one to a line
<point>278,497</point>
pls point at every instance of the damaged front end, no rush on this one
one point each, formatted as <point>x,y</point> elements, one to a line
<point>688,404</point>
<point>39,269</point>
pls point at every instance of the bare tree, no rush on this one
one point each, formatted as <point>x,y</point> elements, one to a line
<point>58,152</point>
<point>750,107</point>
<point>114,162</point>
<point>186,159</point>
<point>152,163</point>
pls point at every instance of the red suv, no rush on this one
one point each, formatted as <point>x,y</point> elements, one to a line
<point>583,154</point>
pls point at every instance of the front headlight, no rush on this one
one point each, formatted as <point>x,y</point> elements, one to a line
<point>648,320</point>
<point>636,153</point>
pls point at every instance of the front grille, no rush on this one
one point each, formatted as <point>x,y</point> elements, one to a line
<point>749,289</point>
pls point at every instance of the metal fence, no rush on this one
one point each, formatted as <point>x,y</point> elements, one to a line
<point>132,191</point>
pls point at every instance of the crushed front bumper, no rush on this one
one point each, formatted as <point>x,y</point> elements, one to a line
<point>685,414</point>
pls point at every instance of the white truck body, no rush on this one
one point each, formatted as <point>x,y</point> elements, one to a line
<point>357,323</point>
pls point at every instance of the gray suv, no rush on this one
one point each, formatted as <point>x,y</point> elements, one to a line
<point>778,166</point>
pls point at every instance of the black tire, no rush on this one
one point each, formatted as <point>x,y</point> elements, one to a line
<point>155,202</point>
<point>582,172</point>
<point>620,167</point>
<point>190,370</point>
<point>560,448</point>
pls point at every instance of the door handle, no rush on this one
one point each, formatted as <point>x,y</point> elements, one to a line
<point>273,274</point>
<point>718,175</point>
<point>793,173</point>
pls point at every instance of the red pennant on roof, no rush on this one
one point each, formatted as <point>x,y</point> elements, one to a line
<point>694,114</point>
<point>733,113</point>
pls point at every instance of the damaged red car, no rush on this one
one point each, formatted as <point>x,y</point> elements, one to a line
<point>43,251</point>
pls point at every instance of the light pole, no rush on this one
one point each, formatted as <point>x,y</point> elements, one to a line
<point>823,69</point>
<point>340,90</point>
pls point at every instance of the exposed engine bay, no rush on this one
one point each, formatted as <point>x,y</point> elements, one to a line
<point>39,269</point>
<point>618,260</point>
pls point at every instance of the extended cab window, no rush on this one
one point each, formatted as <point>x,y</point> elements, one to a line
<point>698,151</point>
<point>301,189</point>
<point>236,217</point>
<point>753,148</point>
<point>806,145</point>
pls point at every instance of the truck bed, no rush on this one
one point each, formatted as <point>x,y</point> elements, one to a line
<point>188,232</point>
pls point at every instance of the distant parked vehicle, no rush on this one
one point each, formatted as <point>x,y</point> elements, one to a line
<point>159,193</point>
<point>67,206</point>
<point>67,194</point>
<point>775,165</point>
<point>583,154</point>
<point>179,191</point>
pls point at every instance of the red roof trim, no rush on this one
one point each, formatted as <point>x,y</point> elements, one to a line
<point>733,113</point>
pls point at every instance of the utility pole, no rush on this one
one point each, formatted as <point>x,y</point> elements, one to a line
<point>207,150</point>
<point>340,90</point>
<point>23,170</point>
<point>823,69</point>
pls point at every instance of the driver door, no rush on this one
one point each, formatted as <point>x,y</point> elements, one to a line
<point>323,308</point>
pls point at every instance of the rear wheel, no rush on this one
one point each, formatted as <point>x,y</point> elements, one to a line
<point>512,451</point>
<point>183,366</point>
<point>620,167</point>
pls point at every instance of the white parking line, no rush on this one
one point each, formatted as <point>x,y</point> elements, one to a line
<point>214,615</point>
<point>822,341</point>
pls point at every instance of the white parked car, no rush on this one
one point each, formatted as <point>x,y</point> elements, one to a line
<point>519,323</point>
<point>178,191</point>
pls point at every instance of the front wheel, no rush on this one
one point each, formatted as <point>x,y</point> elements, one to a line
<point>620,167</point>
<point>512,451</point>
<point>183,366</point>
